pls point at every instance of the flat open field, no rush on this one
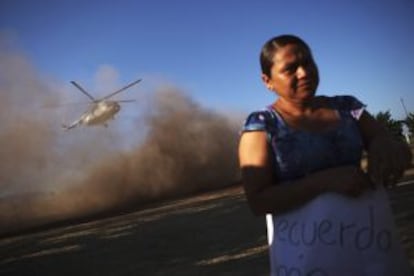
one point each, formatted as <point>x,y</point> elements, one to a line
<point>209,234</point>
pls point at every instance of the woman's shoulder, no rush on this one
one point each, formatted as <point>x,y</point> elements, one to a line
<point>257,120</point>
<point>345,104</point>
<point>341,102</point>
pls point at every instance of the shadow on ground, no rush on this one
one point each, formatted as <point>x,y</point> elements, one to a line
<point>211,234</point>
<point>214,234</point>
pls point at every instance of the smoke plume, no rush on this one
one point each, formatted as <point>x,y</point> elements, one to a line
<point>176,147</point>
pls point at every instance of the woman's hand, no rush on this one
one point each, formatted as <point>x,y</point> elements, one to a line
<point>346,180</point>
<point>388,158</point>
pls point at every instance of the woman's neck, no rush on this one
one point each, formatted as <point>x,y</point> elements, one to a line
<point>294,109</point>
<point>314,115</point>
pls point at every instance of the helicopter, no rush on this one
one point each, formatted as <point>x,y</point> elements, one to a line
<point>100,110</point>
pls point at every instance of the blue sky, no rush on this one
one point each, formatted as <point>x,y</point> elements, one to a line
<point>210,48</point>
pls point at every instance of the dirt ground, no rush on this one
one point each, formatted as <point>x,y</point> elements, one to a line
<point>209,234</point>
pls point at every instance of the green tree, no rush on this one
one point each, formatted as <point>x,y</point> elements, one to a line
<point>394,126</point>
<point>409,121</point>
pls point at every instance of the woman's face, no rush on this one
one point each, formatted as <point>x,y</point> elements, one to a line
<point>294,75</point>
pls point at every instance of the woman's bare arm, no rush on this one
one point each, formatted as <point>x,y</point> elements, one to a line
<point>388,157</point>
<point>266,195</point>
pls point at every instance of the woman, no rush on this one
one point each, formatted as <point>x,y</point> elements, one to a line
<point>300,161</point>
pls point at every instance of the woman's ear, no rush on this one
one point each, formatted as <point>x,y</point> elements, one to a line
<point>267,81</point>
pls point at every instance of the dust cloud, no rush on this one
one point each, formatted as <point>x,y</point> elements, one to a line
<point>176,147</point>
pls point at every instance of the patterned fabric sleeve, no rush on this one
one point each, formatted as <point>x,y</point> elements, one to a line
<point>256,121</point>
<point>350,104</point>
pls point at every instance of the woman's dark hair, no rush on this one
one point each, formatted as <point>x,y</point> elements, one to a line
<point>272,45</point>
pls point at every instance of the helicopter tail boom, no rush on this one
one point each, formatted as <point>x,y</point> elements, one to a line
<point>74,124</point>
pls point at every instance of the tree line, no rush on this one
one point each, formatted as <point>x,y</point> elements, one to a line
<point>397,126</point>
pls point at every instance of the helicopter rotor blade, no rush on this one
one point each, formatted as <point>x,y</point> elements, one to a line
<point>126,101</point>
<point>120,90</point>
<point>83,91</point>
<point>64,104</point>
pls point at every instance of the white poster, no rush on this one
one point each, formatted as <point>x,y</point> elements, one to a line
<point>335,235</point>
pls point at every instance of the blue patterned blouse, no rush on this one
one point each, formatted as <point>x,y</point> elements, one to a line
<point>297,152</point>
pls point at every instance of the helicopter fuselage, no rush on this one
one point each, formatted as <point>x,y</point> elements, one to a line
<point>100,112</point>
